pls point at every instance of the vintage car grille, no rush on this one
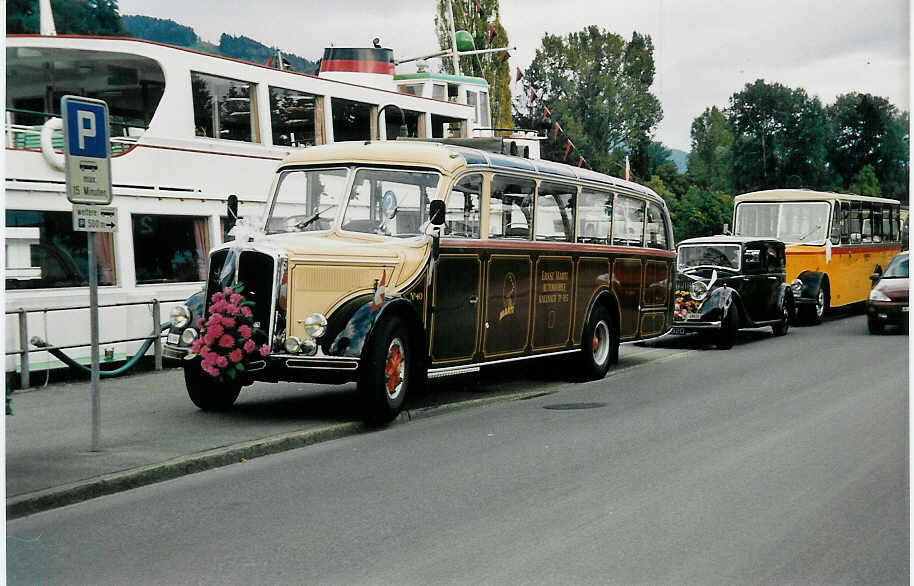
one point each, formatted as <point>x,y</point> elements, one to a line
<point>256,271</point>
<point>683,283</point>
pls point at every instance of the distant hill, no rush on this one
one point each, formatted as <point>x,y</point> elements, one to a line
<point>681,158</point>
<point>168,31</point>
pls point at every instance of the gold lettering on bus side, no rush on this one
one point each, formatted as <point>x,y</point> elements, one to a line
<point>509,294</point>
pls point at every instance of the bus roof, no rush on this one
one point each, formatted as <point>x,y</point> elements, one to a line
<point>806,195</point>
<point>451,158</point>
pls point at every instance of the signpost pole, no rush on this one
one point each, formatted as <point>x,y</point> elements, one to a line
<point>93,332</point>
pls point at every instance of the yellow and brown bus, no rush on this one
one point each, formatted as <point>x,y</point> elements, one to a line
<point>388,262</point>
<point>835,241</point>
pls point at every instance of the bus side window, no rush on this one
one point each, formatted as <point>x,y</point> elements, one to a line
<point>656,227</point>
<point>855,222</point>
<point>555,205</point>
<point>877,222</point>
<point>511,208</point>
<point>867,219</point>
<point>628,221</point>
<point>461,217</point>
<point>595,212</point>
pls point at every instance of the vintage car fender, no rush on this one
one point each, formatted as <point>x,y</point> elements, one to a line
<point>718,302</point>
<point>812,281</point>
<point>360,322</point>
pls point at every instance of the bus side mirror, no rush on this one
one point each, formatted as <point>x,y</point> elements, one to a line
<point>436,212</point>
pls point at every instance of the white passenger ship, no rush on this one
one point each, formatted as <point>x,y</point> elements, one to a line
<point>188,129</point>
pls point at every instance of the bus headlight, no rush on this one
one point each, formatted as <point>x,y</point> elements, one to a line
<point>315,325</point>
<point>292,345</point>
<point>698,291</point>
<point>188,336</point>
<point>179,316</point>
<point>797,287</point>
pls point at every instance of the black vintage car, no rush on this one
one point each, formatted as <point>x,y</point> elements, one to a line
<point>725,283</point>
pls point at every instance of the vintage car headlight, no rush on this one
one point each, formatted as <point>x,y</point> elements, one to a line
<point>292,345</point>
<point>877,295</point>
<point>315,325</point>
<point>188,336</point>
<point>308,346</point>
<point>797,287</point>
<point>698,290</point>
<point>179,316</point>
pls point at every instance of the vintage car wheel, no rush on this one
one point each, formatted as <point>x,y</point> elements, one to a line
<point>874,325</point>
<point>599,345</point>
<point>726,337</point>
<point>208,393</point>
<point>782,326</point>
<point>386,372</point>
<point>814,314</point>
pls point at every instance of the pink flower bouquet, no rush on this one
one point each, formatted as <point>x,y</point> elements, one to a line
<point>226,335</point>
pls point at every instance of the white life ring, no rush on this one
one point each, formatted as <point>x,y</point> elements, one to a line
<point>54,159</point>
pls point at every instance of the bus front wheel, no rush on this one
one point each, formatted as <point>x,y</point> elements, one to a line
<point>387,372</point>
<point>599,345</point>
<point>815,313</point>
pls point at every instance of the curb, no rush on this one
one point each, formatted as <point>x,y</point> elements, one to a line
<point>76,492</point>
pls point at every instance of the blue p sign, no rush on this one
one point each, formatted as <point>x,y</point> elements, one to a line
<point>87,127</point>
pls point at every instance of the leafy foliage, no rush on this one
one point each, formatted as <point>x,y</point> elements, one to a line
<point>160,30</point>
<point>71,17</point>
<point>242,47</point>
<point>597,86</point>
<point>475,17</point>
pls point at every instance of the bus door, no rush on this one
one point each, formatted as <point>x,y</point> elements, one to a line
<point>508,269</point>
<point>456,289</point>
<point>628,230</point>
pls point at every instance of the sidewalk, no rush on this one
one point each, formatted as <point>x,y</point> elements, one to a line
<point>150,431</point>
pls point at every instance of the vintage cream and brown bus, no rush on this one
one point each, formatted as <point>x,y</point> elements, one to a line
<point>835,241</point>
<point>385,263</point>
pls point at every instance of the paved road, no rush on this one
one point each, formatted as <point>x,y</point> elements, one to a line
<point>780,461</point>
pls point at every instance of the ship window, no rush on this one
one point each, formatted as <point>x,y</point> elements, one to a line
<point>628,221</point>
<point>36,79</point>
<point>462,213</point>
<point>297,118</point>
<point>413,90</point>
<point>352,120</point>
<point>471,101</point>
<point>43,251</point>
<point>169,249</point>
<point>393,122</point>
<point>439,91</point>
<point>447,127</point>
<point>483,115</point>
<point>224,108</point>
<point>555,212</point>
<point>511,208</point>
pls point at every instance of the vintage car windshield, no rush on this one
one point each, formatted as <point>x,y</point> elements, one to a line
<point>897,269</point>
<point>391,202</point>
<point>306,200</point>
<point>722,256</point>
<point>793,222</point>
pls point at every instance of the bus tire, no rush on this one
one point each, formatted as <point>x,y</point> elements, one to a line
<point>729,328</point>
<point>599,345</point>
<point>386,372</point>
<point>207,393</point>
<point>814,313</point>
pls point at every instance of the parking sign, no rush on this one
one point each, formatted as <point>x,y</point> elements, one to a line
<point>87,150</point>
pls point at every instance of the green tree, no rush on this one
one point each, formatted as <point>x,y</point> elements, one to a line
<point>711,156</point>
<point>779,138</point>
<point>160,30</point>
<point>701,212</point>
<point>597,87</point>
<point>865,182</point>
<point>868,130</point>
<point>475,17</point>
<point>76,17</point>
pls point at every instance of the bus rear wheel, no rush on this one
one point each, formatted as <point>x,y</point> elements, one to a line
<point>599,345</point>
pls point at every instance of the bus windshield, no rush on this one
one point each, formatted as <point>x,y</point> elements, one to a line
<point>723,256</point>
<point>793,222</point>
<point>390,202</point>
<point>306,200</point>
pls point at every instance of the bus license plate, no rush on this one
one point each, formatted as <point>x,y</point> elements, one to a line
<point>174,338</point>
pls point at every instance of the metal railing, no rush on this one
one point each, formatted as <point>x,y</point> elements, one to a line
<point>24,340</point>
<point>28,136</point>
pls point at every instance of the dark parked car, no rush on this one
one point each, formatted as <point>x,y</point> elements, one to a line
<point>888,301</point>
<point>183,329</point>
<point>725,283</point>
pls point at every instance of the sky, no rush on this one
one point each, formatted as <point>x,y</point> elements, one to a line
<point>705,50</point>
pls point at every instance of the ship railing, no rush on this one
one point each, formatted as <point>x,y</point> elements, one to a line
<point>28,136</point>
<point>25,342</point>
